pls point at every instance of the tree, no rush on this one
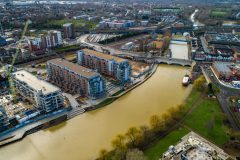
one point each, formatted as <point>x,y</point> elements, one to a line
<point>135,154</point>
<point>103,154</point>
<point>119,143</point>
<point>199,83</point>
<point>157,124</point>
<point>174,112</point>
<point>167,118</point>
<point>134,136</point>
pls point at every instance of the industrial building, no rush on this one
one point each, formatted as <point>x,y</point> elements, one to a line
<point>69,31</point>
<point>108,65</point>
<point>53,39</point>
<point>75,79</point>
<point>45,96</point>
<point>193,146</point>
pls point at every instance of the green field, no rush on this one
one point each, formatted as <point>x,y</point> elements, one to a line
<point>156,151</point>
<point>206,119</point>
<point>78,23</point>
<point>219,12</point>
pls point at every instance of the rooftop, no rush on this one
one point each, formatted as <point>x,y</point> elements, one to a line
<point>67,24</point>
<point>88,73</point>
<point>222,67</point>
<point>35,83</point>
<point>193,146</point>
<point>102,55</point>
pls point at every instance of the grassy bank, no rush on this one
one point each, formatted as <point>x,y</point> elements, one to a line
<point>155,152</point>
<point>206,119</point>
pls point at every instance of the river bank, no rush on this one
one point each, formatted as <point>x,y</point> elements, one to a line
<point>83,136</point>
<point>18,133</point>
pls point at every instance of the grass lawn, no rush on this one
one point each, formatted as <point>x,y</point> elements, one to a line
<point>206,120</point>
<point>105,102</point>
<point>77,23</point>
<point>67,48</point>
<point>156,151</point>
<point>192,98</point>
<point>218,13</point>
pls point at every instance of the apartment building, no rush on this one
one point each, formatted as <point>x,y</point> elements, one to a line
<point>75,79</point>
<point>4,122</point>
<point>69,30</point>
<point>108,65</point>
<point>51,40</point>
<point>44,95</point>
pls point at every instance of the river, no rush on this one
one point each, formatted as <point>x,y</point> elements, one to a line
<point>81,138</point>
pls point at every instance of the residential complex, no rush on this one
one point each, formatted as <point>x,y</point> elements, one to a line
<point>44,95</point>
<point>108,65</point>
<point>75,79</point>
<point>69,30</point>
<point>53,39</point>
<point>116,24</point>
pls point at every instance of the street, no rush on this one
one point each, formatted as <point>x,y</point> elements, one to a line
<point>225,92</point>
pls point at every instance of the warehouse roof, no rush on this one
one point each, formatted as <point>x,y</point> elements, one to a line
<point>102,55</point>
<point>83,71</point>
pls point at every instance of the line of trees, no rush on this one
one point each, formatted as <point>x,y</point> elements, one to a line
<point>136,139</point>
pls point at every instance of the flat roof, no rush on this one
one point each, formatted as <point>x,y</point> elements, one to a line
<point>102,55</point>
<point>222,66</point>
<point>35,83</point>
<point>83,71</point>
<point>67,24</point>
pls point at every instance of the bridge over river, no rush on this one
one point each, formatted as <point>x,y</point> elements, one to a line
<point>158,60</point>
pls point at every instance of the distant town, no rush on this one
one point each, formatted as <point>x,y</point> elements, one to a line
<point>108,64</point>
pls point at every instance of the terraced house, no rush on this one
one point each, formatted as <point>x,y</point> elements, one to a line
<point>108,65</point>
<point>75,79</point>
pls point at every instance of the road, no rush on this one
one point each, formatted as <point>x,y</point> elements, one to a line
<point>225,92</point>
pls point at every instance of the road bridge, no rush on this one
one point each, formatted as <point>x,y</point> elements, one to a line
<point>158,60</point>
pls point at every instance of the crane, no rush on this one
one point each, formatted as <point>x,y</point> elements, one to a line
<point>9,69</point>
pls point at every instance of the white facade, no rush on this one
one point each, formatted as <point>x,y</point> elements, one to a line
<point>46,96</point>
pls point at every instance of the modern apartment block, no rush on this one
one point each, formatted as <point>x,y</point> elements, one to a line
<point>108,65</point>
<point>44,95</point>
<point>75,79</point>
<point>53,39</point>
<point>69,30</point>
<point>3,119</point>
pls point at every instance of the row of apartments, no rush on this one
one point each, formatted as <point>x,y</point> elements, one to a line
<point>75,79</point>
<point>108,65</point>
<point>45,96</point>
<point>51,40</point>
